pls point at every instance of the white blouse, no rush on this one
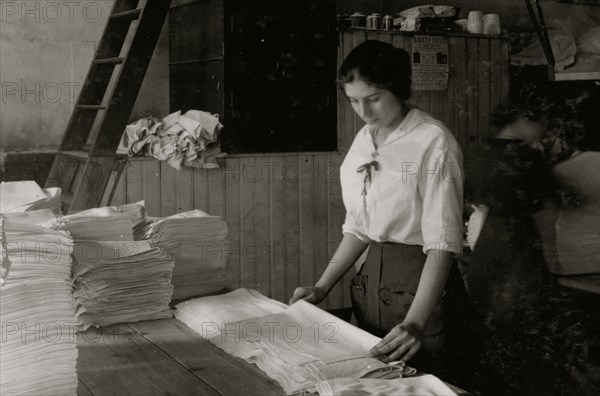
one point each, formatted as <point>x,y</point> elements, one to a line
<point>409,190</point>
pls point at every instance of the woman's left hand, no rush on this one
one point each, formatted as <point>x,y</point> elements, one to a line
<point>401,343</point>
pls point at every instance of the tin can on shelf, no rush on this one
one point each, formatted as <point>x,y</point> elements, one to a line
<point>374,21</point>
<point>388,22</point>
<point>370,22</point>
<point>357,20</point>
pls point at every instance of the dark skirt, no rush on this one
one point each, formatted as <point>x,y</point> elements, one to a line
<point>385,287</point>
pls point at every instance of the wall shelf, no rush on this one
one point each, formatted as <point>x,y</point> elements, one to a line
<point>577,72</point>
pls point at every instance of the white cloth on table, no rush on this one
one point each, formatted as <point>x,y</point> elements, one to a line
<point>298,346</point>
<point>426,385</point>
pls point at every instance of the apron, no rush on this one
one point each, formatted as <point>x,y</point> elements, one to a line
<point>385,287</point>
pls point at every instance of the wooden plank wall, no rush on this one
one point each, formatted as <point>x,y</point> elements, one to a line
<point>285,211</point>
<point>478,83</point>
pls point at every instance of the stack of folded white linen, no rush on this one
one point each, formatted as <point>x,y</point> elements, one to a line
<point>108,223</point>
<point>198,243</point>
<point>121,281</point>
<point>26,195</point>
<point>298,346</point>
<point>116,279</point>
<point>39,350</point>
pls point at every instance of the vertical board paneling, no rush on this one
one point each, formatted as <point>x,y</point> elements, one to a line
<point>484,109</point>
<point>133,181</point>
<point>485,84</point>
<point>336,213</point>
<point>321,221</point>
<point>449,108</point>
<point>120,193</point>
<point>216,192</point>
<point>308,244</point>
<point>233,202</point>
<point>184,186</point>
<point>248,251</point>
<point>151,186</point>
<point>472,114</point>
<point>262,227</point>
<point>275,167</point>
<point>461,88</point>
<point>168,191</point>
<point>294,253</point>
<point>200,193</point>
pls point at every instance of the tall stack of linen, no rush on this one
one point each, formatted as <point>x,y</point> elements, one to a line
<point>198,243</point>
<point>115,278</point>
<point>38,355</point>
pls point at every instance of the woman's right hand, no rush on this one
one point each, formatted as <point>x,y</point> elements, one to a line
<point>311,294</point>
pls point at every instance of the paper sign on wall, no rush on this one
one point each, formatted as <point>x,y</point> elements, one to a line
<point>429,63</point>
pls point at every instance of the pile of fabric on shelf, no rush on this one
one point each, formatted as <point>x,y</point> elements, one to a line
<point>198,243</point>
<point>39,350</point>
<point>302,347</point>
<point>116,279</point>
<point>190,139</point>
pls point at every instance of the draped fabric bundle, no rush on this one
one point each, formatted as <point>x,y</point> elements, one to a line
<point>198,243</point>
<point>189,139</point>
<point>298,346</point>
<point>39,350</point>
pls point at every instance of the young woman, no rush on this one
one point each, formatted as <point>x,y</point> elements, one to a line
<point>402,189</point>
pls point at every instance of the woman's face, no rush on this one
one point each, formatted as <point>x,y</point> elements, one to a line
<point>378,107</point>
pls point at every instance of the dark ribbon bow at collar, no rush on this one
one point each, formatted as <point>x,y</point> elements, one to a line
<point>367,168</point>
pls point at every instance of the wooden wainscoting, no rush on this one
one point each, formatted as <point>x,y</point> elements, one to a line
<point>284,213</point>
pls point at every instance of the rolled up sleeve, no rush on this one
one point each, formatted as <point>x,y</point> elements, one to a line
<point>441,188</point>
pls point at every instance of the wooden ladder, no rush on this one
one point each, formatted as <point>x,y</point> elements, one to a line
<point>81,169</point>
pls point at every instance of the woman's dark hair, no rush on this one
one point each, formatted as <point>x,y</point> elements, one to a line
<point>380,64</point>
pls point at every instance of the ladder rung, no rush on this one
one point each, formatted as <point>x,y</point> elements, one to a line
<point>131,14</point>
<point>90,107</point>
<point>108,60</point>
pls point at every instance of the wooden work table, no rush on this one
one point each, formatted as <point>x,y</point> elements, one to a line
<point>163,357</point>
